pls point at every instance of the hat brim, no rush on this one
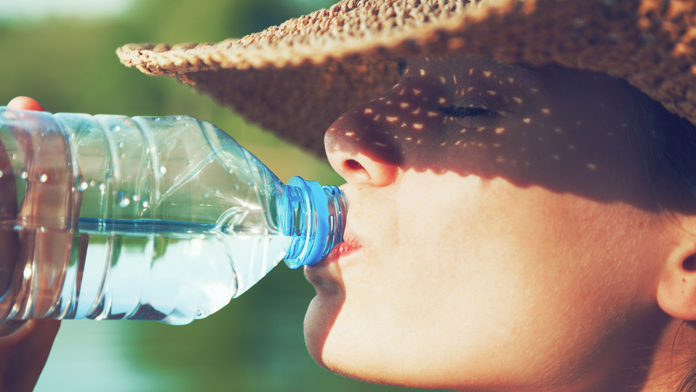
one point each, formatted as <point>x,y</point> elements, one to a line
<point>297,78</point>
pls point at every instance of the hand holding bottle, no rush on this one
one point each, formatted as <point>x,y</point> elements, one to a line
<point>24,345</point>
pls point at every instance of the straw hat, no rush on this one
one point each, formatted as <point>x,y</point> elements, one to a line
<point>297,78</point>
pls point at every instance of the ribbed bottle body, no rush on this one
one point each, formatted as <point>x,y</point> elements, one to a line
<point>165,218</point>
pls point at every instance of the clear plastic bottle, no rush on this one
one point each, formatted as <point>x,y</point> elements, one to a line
<point>174,216</point>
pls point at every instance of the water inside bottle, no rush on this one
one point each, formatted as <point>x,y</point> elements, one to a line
<point>168,271</point>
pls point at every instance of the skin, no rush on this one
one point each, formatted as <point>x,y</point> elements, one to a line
<point>527,252</point>
<point>24,345</point>
<point>518,248</point>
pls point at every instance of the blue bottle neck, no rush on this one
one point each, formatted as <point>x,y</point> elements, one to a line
<point>315,216</point>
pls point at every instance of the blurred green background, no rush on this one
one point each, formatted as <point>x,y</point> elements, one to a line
<point>61,52</point>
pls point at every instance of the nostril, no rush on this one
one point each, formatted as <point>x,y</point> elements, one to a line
<point>353,165</point>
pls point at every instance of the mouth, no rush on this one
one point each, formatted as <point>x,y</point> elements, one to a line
<point>326,274</point>
<point>348,246</point>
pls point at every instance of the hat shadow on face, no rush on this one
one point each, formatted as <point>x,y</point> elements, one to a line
<point>568,131</point>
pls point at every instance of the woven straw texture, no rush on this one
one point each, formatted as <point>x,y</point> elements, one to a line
<point>297,78</point>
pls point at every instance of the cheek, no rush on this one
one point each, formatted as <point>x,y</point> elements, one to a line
<point>483,275</point>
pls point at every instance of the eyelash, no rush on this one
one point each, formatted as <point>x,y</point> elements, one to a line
<point>402,66</point>
<point>461,111</point>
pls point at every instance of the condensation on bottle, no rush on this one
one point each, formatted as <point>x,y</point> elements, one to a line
<point>145,218</point>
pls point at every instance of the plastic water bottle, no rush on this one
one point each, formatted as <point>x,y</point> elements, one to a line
<point>144,218</point>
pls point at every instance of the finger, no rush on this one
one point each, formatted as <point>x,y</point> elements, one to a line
<point>23,354</point>
<point>25,103</point>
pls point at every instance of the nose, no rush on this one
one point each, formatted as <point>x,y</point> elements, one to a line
<point>360,151</point>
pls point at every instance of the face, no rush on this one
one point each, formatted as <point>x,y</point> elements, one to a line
<point>502,233</point>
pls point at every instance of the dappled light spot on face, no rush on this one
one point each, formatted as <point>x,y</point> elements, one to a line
<point>494,122</point>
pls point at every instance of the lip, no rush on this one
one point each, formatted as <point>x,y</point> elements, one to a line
<point>326,273</point>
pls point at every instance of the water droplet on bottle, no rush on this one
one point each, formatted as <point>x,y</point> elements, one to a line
<point>117,128</point>
<point>217,191</point>
<point>236,186</point>
<point>121,145</point>
<point>123,156</point>
<point>211,159</point>
<point>9,115</point>
<point>145,204</point>
<point>231,171</point>
<point>81,184</point>
<point>92,183</point>
<point>206,195</point>
<point>162,169</point>
<point>1,173</point>
<point>122,200</point>
<point>101,186</point>
<point>14,157</point>
<point>23,174</point>
<point>42,178</point>
<point>135,197</point>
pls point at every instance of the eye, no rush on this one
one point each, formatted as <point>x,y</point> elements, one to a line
<point>462,111</point>
<point>402,67</point>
